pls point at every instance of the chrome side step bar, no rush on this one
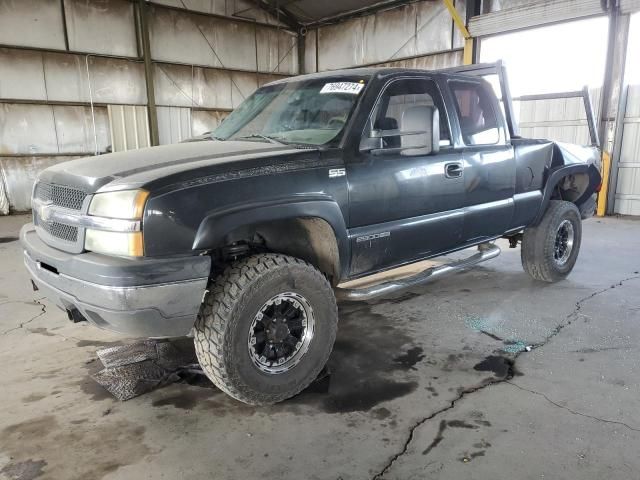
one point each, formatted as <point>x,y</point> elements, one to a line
<point>486,251</point>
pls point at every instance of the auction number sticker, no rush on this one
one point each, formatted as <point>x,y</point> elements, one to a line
<point>342,87</point>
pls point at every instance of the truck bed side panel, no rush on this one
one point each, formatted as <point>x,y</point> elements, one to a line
<point>533,157</point>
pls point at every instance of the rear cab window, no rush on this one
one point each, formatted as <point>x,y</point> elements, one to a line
<point>476,113</point>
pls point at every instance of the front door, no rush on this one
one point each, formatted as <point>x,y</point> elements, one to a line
<point>405,203</point>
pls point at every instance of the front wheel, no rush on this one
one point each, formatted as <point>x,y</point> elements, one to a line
<point>550,249</point>
<point>266,328</point>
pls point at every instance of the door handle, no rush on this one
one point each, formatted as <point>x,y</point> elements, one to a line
<point>453,170</point>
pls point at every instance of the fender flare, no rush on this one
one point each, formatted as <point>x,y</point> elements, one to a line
<point>558,174</point>
<point>216,227</point>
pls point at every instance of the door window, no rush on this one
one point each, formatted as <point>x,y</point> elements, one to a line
<point>406,105</point>
<point>478,121</point>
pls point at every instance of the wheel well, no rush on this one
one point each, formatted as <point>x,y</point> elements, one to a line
<point>310,238</point>
<point>572,188</point>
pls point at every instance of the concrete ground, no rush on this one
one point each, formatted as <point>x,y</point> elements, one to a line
<point>431,384</point>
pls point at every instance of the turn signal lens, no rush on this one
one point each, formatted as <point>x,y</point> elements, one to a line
<point>129,244</point>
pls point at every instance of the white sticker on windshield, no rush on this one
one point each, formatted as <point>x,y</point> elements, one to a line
<point>342,87</point>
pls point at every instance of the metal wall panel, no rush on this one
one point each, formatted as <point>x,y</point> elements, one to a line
<point>512,15</point>
<point>218,42</point>
<point>101,26</point>
<point>429,62</point>
<point>63,77</point>
<point>203,121</point>
<point>561,120</point>
<point>31,23</point>
<point>230,8</point>
<point>21,74</point>
<point>185,86</point>
<point>627,196</point>
<point>19,173</point>
<point>174,124</point>
<point>277,51</point>
<point>128,127</point>
<point>412,30</point>
<point>45,129</point>
<point>629,6</point>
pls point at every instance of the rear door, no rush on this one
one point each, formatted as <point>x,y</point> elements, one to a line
<point>489,162</point>
<point>404,204</point>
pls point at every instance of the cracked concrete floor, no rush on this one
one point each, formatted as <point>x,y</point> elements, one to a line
<point>430,384</point>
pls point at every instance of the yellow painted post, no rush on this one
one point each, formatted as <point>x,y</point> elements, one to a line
<point>467,56</point>
<point>468,40</point>
<point>602,194</point>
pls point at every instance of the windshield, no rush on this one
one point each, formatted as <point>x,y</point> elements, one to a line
<point>309,112</point>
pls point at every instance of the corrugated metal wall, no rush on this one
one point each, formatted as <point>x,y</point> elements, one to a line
<point>420,35</point>
<point>75,85</point>
<point>509,15</point>
<point>561,119</point>
<point>627,197</point>
<point>206,61</point>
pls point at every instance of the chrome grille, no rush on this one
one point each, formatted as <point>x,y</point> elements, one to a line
<point>61,231</point>
<point>60,195</point>
<point>65,237</point>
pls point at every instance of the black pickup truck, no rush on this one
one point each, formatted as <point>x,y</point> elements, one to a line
<point>242,236</point>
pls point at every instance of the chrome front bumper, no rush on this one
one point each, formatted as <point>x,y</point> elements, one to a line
<point>136,297</point>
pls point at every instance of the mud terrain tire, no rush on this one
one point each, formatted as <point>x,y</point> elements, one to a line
<point>226,327</point>
<point>550,249</point>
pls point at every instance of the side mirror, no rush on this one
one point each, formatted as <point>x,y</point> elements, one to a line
<point>419,135</point>
<point>423,137</point>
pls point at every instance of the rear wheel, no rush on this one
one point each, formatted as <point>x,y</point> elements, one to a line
<point>266,328</point>
<point>550,249</point>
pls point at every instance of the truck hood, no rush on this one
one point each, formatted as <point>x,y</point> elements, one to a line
<point>132,169</point>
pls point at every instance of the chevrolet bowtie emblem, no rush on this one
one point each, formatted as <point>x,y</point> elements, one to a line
<point>44,210</point>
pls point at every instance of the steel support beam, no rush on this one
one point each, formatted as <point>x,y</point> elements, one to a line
<point>301,52</point>
<point>612,89</point>
<point>143,36</point>
<point>459,22</point>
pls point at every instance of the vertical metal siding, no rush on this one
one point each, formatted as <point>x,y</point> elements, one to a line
<point>174,124</point>
<point>519,14</point>
<point>129,128</point>
<point>627,196</point>
<point>561,120</point>
<point>629,6</point>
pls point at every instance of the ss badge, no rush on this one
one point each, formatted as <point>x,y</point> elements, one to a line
<point>336,172</point>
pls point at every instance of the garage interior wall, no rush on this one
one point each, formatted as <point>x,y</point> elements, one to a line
<point>72,76</point>
<point>417,35</point>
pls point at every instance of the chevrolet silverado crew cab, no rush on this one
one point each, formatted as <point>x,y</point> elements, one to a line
<point>241,236</point>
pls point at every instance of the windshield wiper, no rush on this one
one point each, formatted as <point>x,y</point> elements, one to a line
<point>268,138</point>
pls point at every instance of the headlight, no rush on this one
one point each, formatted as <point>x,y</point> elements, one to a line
<point>128,204</point>
<point>117,216</point>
